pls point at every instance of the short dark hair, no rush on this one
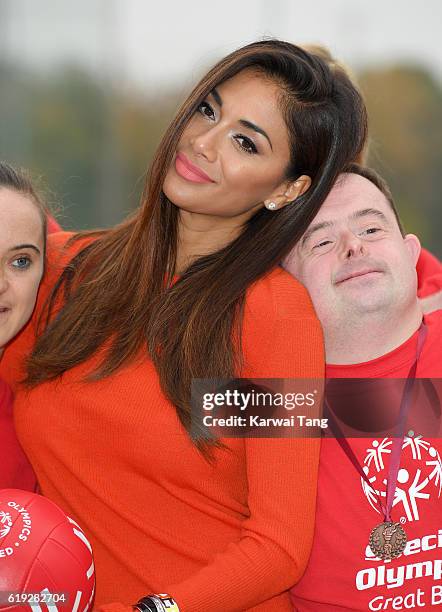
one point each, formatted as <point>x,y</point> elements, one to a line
<point>379,182</point>
<point>20,181</point>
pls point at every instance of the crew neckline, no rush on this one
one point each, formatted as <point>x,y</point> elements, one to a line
<point>397,359</point>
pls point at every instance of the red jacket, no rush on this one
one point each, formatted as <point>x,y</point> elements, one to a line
<point>15,470</point>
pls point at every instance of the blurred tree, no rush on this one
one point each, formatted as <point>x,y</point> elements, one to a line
<point>93,141</point>
<point>405,111</point>
<point>15,109</point>
<point>68,122</point>
<point>91,145</point>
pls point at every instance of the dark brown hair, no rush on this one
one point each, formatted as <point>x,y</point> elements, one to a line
<point>374,177</point>
<point>192,329</point>
<point>20,181</point>
<point>336,65</point>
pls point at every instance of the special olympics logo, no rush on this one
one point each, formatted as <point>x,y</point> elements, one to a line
<point>5,524</point>
<point>421,478</point>
<point>7,521</point>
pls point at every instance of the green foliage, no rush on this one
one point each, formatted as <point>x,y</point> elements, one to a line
<point>92,142</point>
<point>405,111</point>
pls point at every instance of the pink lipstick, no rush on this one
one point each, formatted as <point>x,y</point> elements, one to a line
<point>189,171</point>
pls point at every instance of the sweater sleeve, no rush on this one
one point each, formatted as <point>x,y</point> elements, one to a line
<point>282,338</point>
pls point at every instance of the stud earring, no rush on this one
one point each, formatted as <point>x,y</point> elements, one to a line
<point>271,205</point>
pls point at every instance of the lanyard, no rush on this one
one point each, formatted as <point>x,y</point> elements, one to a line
<point>393,468</point>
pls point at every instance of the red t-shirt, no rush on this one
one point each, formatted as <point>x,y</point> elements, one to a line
<point>15,470</point>
<point>429,274</point>
<point>343,574</point>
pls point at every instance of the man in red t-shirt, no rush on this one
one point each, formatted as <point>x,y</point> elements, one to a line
<point>360,270</point>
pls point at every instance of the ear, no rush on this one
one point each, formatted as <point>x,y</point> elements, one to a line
<point>414,247</point>
<point>287,192</point>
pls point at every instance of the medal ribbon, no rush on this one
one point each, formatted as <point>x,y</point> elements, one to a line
<point>393,468</point>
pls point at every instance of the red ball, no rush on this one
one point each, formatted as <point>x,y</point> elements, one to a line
<point>42,551</point>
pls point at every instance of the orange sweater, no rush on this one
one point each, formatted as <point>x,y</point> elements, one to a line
<point>232,535</point>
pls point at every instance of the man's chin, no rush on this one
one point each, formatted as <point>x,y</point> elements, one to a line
<point>368,303</point>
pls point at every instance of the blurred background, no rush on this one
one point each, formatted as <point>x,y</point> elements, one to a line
<point>87,88</point>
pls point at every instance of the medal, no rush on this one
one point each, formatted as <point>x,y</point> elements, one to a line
<point>388,540</point>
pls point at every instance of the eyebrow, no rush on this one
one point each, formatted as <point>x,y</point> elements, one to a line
<point>244,122</point>
<point>364,212</point>
<point>217,97</point>
<point>256,128</point>
<point>26,246</point>
<point>314,228</point>
<point>369,211</point>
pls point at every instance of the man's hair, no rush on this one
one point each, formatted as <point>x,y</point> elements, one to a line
<point>379,182</point>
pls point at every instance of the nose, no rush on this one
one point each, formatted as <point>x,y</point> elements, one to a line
<point>204,143</point>
<point>352,246</point>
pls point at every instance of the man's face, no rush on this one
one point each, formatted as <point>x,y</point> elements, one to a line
<point>353,258</point>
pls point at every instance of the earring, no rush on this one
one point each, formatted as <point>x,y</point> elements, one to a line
<point>271,205</point>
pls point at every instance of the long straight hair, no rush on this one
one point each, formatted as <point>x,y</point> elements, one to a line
<point>117,283</point>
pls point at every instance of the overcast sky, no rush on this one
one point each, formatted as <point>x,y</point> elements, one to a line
<point>170,42</point>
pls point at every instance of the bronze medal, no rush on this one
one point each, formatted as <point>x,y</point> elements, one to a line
<point>388,540</point>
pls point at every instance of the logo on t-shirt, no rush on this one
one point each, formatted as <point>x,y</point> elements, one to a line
<point>413,579</point>
<point>420,479</point>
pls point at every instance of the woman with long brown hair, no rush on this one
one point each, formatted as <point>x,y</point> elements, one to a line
<point>190,287</point>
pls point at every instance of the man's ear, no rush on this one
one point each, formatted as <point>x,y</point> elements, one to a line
<point>287,192</point>
<point>414,247</point>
